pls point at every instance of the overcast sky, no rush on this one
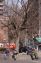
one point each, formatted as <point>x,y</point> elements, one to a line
<point>15,1</point>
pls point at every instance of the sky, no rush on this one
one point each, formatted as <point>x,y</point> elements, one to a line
<point>15,1</point>
<point>9,1</point>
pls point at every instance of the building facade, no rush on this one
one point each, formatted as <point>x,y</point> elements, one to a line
<point>3,20</point>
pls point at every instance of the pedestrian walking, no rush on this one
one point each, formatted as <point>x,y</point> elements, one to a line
<point>6,54</point>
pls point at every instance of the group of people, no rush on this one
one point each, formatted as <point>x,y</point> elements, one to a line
<point>7,52</point>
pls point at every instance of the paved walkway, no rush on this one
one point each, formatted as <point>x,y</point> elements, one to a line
<point>39,53</point>
<point>22,56</point>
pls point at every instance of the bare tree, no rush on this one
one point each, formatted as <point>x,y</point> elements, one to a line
<point>13,12</point>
